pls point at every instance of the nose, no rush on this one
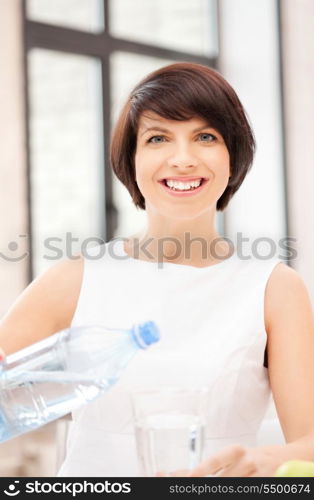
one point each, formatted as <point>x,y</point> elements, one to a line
<point>182,158</point>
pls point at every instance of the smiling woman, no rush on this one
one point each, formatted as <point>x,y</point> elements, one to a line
<point>182,123</point>
<point>182,146</point>
<point>178,93</point>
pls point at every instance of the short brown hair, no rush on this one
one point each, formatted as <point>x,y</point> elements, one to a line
<point>181,91</point>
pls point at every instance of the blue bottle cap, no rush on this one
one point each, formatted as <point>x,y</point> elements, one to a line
<point>146,334</point>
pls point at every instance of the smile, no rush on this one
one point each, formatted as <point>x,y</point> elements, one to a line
<point>186,188</point>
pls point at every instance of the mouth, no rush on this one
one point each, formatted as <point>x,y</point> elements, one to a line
<point>183,186</point>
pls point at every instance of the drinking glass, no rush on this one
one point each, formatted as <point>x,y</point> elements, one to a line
<point>169,429</point>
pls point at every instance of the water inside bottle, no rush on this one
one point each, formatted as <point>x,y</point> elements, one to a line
<point>24,408</point>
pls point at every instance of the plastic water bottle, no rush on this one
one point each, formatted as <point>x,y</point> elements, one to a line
<point>54,376</point>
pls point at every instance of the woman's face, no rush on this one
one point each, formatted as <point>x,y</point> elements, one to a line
<point>182,167</point>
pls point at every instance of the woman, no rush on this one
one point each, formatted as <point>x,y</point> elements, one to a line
<point>182,146</point>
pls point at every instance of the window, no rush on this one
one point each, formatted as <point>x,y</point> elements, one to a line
<point>186,25</point>
<point>85,15</point>
<point>66,151</point>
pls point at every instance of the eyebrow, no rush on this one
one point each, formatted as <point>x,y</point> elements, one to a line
<point>161,129</point>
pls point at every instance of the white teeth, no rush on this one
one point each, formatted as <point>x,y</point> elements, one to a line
<point>183,186</point>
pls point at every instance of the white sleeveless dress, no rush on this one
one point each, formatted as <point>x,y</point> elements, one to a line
<point>212,334</point>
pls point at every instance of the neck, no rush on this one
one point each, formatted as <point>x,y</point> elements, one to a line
<point>183,241</point>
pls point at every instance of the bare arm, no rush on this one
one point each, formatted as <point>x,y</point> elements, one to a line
<point>290,325</point>
<point>46,306</point>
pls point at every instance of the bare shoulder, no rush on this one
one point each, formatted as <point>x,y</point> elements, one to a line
<point>63,283</point>
<point>45,306</point>
<point>285,294</point>
<point>66,276</point>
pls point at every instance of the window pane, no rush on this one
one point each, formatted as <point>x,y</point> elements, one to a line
<point>126,71</point>
<point>185,25</point>
<point>67,184</point>
<point>86,15</point>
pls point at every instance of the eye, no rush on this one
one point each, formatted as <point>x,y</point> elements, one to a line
<point>156,139</point>
<point>207,137</point>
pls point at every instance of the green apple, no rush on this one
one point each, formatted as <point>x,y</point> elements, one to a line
<point>295,468</point>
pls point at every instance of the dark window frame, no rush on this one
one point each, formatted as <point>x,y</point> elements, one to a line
<point>99,45</point>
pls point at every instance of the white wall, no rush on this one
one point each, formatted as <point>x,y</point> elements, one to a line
<point>249,61</point>
<point>298,52</point>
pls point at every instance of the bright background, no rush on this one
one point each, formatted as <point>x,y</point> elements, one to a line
<point>66,67</point>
